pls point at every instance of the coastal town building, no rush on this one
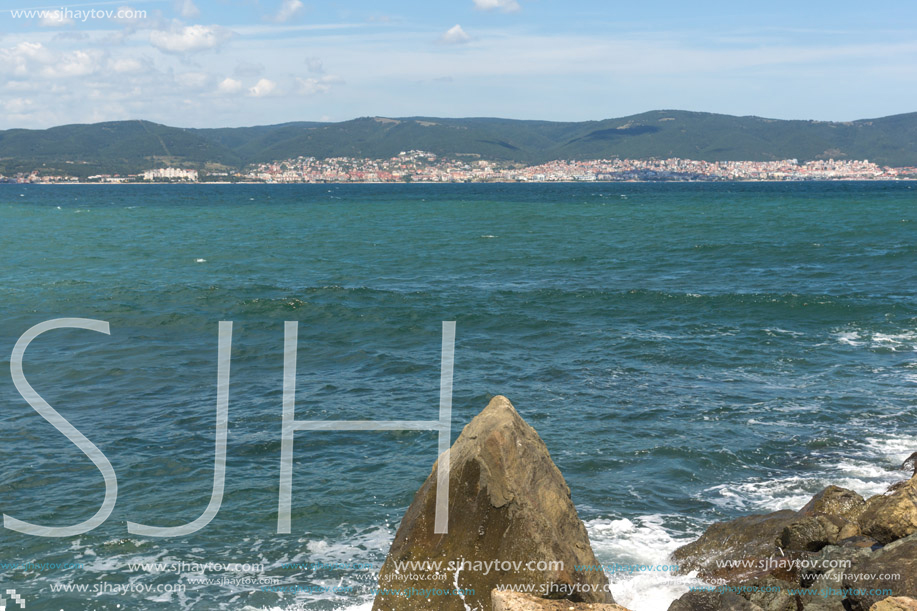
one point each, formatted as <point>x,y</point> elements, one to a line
<point>170,174</point>
<point>424,167</point>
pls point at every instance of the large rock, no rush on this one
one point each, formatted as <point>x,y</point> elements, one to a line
<point>509,503</point>
<point>810,534</point>
<point>891,516</point>
<point>712,600</point>
<point>516,601</point>
<point>896,603</point>
<point>836,502</point>
<point>738,550</point>
<point>828,518</point>
<point>892,568</point>
<point>770,594</point>
<point>823,577</point>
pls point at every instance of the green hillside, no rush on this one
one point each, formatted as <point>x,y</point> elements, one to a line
<point>132,146</point>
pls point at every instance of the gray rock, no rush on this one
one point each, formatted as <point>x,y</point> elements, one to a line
<point>809,534</point>
<point>823,575</point>
<point>770,594</point>
<point>515,601</point>
<point>829,517</point>
<point>507,502</point>
<point>750,542</point>
<point>895,559</point>
<point>712,601</point>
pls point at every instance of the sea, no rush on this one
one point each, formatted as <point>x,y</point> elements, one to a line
<point>688,352</point>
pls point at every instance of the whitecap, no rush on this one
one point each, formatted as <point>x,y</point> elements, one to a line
<point>641,541</point>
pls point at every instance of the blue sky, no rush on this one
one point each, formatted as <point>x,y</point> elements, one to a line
<point>210,63</point>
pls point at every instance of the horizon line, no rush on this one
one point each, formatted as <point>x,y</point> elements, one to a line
<point>463,118</point>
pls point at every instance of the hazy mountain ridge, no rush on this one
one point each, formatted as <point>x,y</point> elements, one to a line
<point>132,146</point>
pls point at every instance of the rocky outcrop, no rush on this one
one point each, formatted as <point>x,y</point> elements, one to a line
<point>831,516</point>
<point>891,516</point>
<point>738,550</point>
<point>892,568</point>
<point>896,603</point>
<point>838,553</point>
<point>712,601</point>
<point>770,594</point>
<point>824,580</point>
<point>508,503</point>
<point>515,601</point>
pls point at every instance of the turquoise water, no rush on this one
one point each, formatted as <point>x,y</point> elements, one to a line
<point>687,352</point>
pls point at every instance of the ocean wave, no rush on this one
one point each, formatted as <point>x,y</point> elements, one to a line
<point>870,471</point>
<point>645,541</point>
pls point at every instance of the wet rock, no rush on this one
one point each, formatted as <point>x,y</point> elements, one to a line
<point>831,562</point>
<point>712,600</point>
<point>509,503</point>
<point>809,534</point>
<point>859,541</point>
<point>835,501</point>
<point>892,568</point>
<point>770,594</point>
<point>515,601</point>
<point>748,545</point>
<point>830,516</point>
<point>823,577</point>
<point>891,516</point>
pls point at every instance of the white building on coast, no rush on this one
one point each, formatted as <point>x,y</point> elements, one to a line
<point>171,174</point>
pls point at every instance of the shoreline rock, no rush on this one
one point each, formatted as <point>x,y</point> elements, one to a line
<point>510,506</point>
<point>508,502</point>
<point>516,601</point>
<point>799,556</point>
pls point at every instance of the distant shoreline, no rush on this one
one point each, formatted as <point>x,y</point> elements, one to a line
<point>489,182</point>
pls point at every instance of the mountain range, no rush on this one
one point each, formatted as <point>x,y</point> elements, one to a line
<point>134,146</point>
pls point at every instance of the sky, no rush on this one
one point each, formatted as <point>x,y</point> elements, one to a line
<point>228,63</point>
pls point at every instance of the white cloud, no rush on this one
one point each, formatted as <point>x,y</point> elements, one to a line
<point>187,9</point>
<point>55,19</point>
<point>229,85</point>
<point>19,59</point>
<point>74,63</point>
<point>194,80</point>
<point>125,65</point>
<point>507,6</point>
<point>248,69</point>
<point>312,86</point>
<point>288,10</point>
<point>189,38</point>
<point>31,58</point>
<point>18,105</point>
<point>454,36</point>
<point>263,88</point>
<point>315,65</point>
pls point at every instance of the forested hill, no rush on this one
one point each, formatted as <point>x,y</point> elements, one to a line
<point>133,146</point>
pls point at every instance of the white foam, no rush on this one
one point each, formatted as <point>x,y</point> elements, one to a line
<point>906,340</point>
<point>766,495</point>
<point>643,541</point>
<point>850,338</point>
<point>894,449</point>
<point>867,473</point>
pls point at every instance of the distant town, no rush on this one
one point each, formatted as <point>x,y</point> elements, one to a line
<point>424,167</point>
